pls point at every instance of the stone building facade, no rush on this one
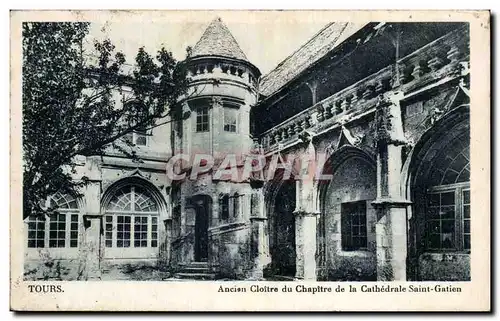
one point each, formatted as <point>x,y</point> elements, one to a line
<point>380,109</point>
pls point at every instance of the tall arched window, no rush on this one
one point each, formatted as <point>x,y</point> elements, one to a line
<point>224,206</point>
<point>62,225</point>
<point>236,204</point>
<point>131,219</point>
<point>448,207</point>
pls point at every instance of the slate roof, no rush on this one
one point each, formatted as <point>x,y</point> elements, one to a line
<point>217,40</point>
<point>319,45</point>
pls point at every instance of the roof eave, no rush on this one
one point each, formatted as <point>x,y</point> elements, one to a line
<point>308,70</point>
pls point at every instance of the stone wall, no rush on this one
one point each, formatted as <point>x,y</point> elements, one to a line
<point>230,249</point>
<point>354,180</point>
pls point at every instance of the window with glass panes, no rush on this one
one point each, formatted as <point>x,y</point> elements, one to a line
<point>202,119</point>
<point>230,120</point>
<point>448,217</point>
<point>448,202</point>
<point>131,219</point>
<point>60,229</point>
<point>353,226</point>
<point>36,232</point>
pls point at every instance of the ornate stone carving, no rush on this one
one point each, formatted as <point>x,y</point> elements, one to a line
<point>345,104</point>
<point>216,101</point>
<point>306,122</point>
<point>328,110</point>
<point>306,136</point>
<point>453,54</point>
<point>298,127</point>
<point>338,107</point>
<point>435,63</point>
<point>388,119</point>
<point>320,115</point>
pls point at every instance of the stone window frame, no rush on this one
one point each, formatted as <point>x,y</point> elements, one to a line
<point>347,230</point>
<point>127,208</point>
<point>461,223</point>
<point>66,207</point>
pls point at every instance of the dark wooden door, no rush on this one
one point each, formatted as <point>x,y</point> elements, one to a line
<point>284,227</point>
<point>201,232</point>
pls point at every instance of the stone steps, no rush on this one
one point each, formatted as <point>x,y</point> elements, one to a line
<point>195,271</point>
<point>195,276</point>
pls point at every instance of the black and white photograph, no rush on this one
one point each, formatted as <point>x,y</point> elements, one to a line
<point>222,151</point>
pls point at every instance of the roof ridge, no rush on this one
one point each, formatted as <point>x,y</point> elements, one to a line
<point>324,41</point>
<point>334,42</point>
<point>301,47</point>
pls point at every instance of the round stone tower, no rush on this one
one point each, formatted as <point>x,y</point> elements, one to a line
<point>210,221</point>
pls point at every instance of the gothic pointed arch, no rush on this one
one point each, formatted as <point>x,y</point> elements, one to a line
<point>346,229</point>
<point>437,181</point>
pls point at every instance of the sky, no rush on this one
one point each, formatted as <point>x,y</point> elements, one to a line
<point>266,42</point>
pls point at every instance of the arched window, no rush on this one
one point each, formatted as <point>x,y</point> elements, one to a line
<point>448,198</point>
<point>236,204</point>
<point>224,207</point>
<point>131,219</point>
<point>62,225</point>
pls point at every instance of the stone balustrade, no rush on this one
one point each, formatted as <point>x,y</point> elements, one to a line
<point>207,70</point>
<point>432,62</point>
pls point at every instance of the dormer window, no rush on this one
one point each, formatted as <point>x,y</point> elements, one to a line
<point>230,120</point>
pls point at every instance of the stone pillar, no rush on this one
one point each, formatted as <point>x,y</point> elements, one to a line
<point>259,249</point>
<point>390,204</point>
<point>305,244</point>
<point>165,222</point>
<point>306,215</point>
<point>91,250</point>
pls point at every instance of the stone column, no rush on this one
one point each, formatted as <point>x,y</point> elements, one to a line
<point>259,250</point>
<point>165,222</point>
<point>91,250</point>
<point>390,204</point>
<point>90,258</point>
<point>306,215</point>
<point>305,244</point>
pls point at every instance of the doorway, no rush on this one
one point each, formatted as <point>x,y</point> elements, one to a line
<point>203,205</point>
<point>283,227</point>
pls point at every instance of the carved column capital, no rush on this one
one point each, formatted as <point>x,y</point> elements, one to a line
<point>306,213</point>
<point>389,120</point>
<point>216,101</point>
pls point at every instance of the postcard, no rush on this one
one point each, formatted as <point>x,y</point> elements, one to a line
<point>250,161</point>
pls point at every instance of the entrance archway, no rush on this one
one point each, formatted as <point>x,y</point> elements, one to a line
<point>282,227</point>
<point>203,208</point>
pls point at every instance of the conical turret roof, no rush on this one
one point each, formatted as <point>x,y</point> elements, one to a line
<point>217,40</point>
